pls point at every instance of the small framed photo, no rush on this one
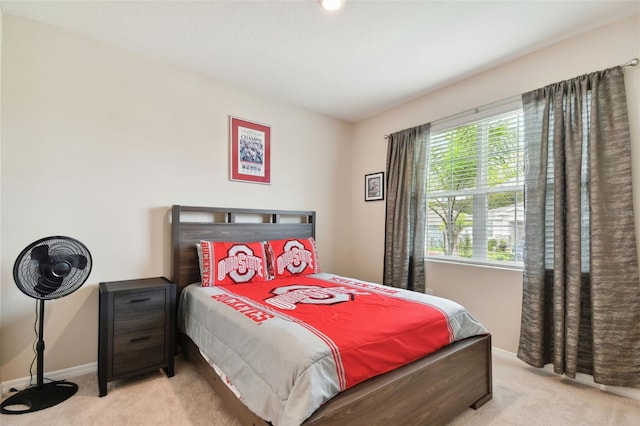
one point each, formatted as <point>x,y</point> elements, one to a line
<point>374,186</point>
<point>250,148</point>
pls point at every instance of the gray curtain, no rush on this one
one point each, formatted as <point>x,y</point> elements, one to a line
<point>581,295</point>
<point>406,208</point>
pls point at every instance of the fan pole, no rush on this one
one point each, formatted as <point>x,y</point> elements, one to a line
<point>40,345</point>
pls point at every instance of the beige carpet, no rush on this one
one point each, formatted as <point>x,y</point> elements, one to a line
<point>521,396</point>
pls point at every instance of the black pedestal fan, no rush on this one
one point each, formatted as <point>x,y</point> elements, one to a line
<point>49,268</point>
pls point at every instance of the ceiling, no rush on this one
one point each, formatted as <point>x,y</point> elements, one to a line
<point>368,57</point>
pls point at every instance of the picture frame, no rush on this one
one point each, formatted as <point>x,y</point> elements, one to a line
<point>374,186</point>
<point>250,151</point>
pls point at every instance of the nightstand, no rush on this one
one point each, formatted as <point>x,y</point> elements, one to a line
<point>137,328</point>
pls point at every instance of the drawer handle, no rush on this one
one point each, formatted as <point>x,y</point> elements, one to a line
<point>139,339</point>
<point>140,300</point>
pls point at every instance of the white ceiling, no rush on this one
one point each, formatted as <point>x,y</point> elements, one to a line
<point>370,56</point>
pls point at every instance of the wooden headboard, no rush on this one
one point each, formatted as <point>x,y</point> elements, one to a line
<point>189,225</point>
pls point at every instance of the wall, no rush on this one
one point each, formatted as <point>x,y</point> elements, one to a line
<point>1,17</point>
<point>492,295</point>
<point>98,143</point>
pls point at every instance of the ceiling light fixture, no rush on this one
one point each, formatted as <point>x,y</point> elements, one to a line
<point>331,5</point>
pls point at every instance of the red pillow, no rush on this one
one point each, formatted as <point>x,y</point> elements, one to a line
<point>225,263</point>
<point>294,256</point>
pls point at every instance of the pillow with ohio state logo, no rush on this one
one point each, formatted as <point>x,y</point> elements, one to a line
<point>228,263</point>
<point>294,256</point>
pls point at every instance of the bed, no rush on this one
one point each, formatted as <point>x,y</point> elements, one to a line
<point>432,390</point>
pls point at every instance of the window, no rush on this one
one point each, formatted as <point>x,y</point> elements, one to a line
<point>475,188</point>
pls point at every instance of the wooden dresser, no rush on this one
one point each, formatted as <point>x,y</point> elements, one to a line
<point>137,328</point>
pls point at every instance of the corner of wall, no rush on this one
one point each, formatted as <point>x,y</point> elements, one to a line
<point>1,322</point>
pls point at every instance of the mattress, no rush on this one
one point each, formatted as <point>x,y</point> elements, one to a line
<point>289,345</point>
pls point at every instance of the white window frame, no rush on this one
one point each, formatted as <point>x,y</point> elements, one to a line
<point>479,247</point>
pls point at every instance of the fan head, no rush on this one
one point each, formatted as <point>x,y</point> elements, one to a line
<point>52,267</point>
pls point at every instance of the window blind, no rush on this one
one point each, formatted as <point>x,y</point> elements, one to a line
<point>475,207</point>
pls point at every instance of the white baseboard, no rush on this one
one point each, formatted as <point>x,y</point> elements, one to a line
<point>53,375</point>
<point>585,379</point>
<point>503,351</point>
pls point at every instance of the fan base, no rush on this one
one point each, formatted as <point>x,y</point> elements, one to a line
<point>38,398</point>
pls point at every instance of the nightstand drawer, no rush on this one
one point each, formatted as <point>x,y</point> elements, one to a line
<point>138,350</point>
<point>139,310</point>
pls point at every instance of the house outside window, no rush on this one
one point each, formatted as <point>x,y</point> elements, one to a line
<point>475,187</point>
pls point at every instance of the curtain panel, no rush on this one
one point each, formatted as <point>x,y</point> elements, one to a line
<point>405,221</point>
<point>581,292</point>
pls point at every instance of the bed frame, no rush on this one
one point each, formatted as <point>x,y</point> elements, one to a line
<point>432,390</point>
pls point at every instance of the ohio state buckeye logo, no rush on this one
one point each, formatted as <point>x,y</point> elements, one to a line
<point>287,297</point>
<point>295,258</point>
<point>241,265</point>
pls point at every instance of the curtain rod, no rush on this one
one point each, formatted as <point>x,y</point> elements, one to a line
<point>632,63</point>
<point>496,104</point>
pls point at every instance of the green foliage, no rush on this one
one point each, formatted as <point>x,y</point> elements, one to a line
<point>504,157</point>
<point>465,246</point>
<point>504,199</point>
<point>453,164</point>
<point>500,256</point>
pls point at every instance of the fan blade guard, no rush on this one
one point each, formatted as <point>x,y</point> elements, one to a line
<point>52,267</point>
